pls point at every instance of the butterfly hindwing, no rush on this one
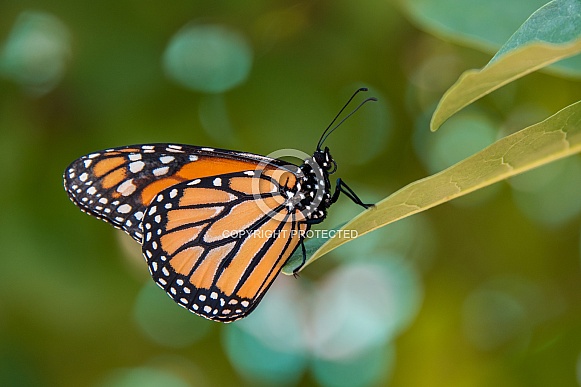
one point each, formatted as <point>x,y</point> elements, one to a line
<point>216,244</point>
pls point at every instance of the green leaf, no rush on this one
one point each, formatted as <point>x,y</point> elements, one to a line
<point>556,137</point>
<point>469,21</point>
<point>549,35</point>
<point>486,25</point>
<point>474,84</point>
<point>557,22</point>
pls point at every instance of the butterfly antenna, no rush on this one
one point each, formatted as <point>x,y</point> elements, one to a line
<point>324,137</point>
<point>337,116</point>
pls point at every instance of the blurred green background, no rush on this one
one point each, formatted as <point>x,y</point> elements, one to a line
<point>483,291</point>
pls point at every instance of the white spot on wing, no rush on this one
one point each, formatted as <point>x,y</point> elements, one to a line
<point>175,149</point>
<point>166,159</point>
<point>124,208</point>
<point>160,171</point>
<point>126,188</point>
<point>136,166</point>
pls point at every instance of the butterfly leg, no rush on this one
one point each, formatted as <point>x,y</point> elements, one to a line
<point>296,270</point>
<point>341,186</point>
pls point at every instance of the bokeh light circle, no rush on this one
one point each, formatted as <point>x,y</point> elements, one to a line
<point>549,195</point>
<point>36,52</point>
<point>460,137</point>
<point>362,305</point>
<point>208,58</point>
<point>492,318</point>
<point>366,369</point>
<point>159,319</point>
<point>269,345</point>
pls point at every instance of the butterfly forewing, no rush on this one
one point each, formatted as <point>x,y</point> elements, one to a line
<point>117,185</point>
<point>215,247</point>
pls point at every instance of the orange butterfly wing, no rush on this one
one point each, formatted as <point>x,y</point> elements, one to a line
<point>117,185</point>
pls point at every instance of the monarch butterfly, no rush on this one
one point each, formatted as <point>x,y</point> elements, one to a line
<point>216,226</point>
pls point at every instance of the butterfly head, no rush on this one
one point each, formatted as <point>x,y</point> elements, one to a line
<point>324,159</point>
